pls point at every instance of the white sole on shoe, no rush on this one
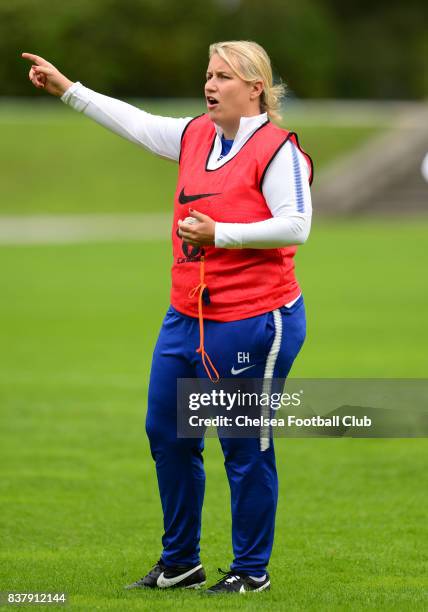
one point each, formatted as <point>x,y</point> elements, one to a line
<point>262,588</point>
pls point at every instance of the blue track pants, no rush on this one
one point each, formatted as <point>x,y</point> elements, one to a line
<point>273,338</point>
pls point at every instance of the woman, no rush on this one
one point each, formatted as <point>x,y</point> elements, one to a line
<point>242,204</point>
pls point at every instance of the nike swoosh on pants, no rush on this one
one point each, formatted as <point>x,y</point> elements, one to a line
<point>235,372</point>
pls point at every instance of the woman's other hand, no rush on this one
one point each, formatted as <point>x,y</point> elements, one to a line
<point>201,233</point>
<point>45,76</point>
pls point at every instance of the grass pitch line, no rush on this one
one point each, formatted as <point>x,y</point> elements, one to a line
<point>69,229</point>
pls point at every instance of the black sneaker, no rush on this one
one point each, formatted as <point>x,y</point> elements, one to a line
<point>233,582</point>
<point>163,577</point>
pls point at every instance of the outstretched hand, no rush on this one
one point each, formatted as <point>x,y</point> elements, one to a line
<point>201,233</point>
<point>45,76</point>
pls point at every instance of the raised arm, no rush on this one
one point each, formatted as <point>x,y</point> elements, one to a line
<point>160,135</point>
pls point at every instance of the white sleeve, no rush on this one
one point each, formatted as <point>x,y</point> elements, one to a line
<point>160,135</point>
<point>287,194</point>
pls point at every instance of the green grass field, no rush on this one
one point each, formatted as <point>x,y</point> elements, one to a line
<point>54,160</point>
<point>80,509</point>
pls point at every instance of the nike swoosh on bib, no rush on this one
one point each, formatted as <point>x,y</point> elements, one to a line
<point>185,199</point>
<point>235,372</point>
<point>164,583</point>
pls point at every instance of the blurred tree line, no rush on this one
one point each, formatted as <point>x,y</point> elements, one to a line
<point>320,48</point>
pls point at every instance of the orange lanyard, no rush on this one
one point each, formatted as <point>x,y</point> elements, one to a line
<point>208,364</point>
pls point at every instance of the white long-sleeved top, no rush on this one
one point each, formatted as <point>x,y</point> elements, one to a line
<point>285,186</point>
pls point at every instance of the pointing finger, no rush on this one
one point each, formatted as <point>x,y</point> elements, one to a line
<point>35,58</point>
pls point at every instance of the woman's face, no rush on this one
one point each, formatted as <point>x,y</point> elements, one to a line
<point>228,97</point>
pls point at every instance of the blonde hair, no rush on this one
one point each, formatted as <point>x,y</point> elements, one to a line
<point>251,62</point>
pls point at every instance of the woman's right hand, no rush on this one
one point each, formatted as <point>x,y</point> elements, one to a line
<point>44,75</point>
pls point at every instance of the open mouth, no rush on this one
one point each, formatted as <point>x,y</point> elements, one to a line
<point>211,102</point>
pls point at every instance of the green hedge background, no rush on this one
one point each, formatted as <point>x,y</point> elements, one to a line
<point>156,48</point>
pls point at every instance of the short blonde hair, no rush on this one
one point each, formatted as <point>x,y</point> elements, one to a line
<point>251,63</point>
